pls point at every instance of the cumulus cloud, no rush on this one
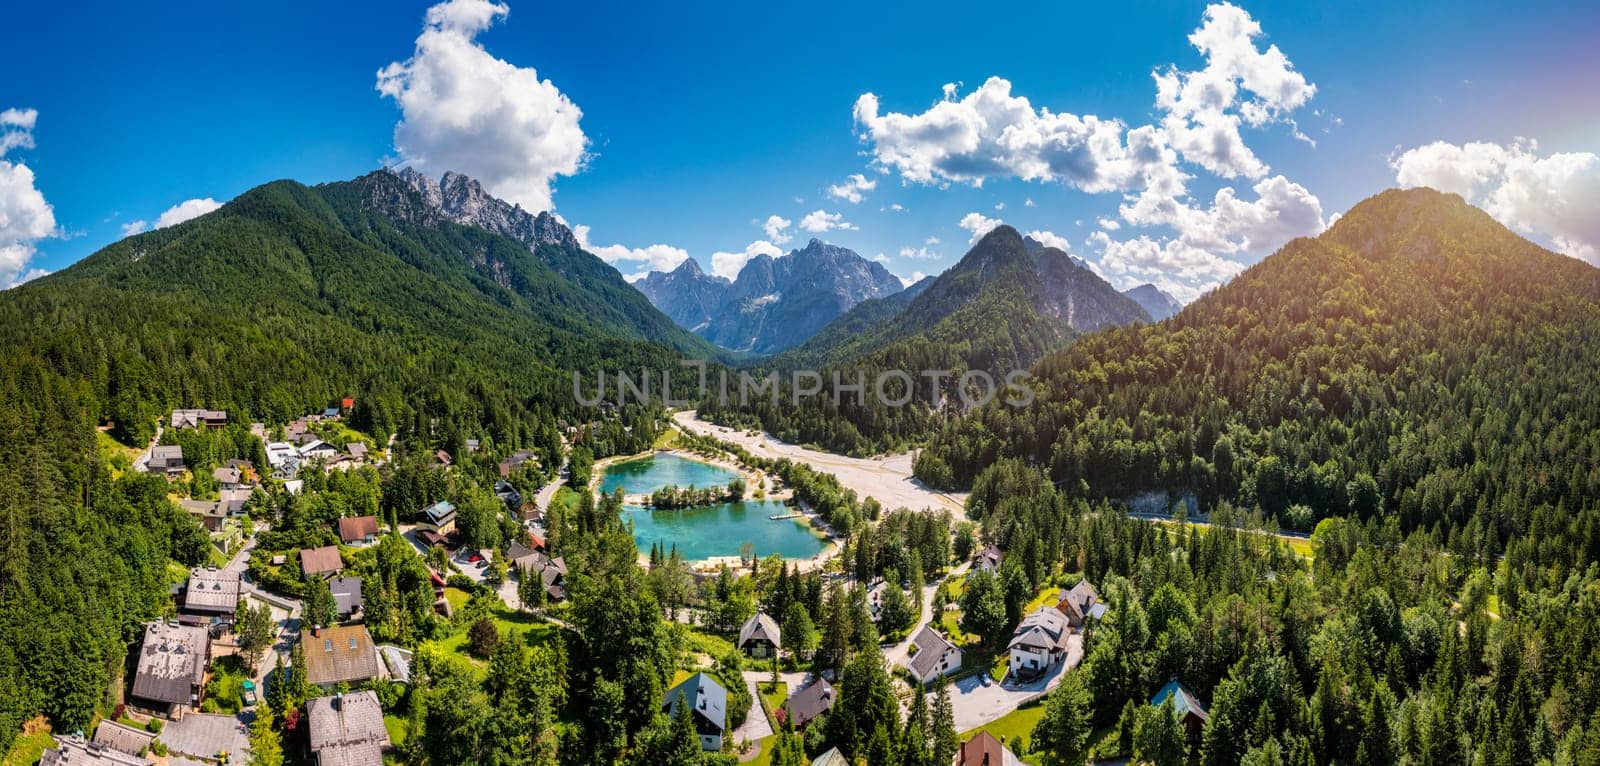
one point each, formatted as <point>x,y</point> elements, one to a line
<point>463,109</point>
<point>923,253</point>
<point>725,264</point>
<point>978,224</point>
<point>183,211</point>
<point>646,259</point>
<point>854,189</point>
<point>777,229</point>
<point>1143,259</point>
<point>134,227</point>
<point>1554,196</point>
<point>1051,239</point>
<point>895,207</point>
<point>1205,107</point>
<point>818,221</point>
<point>1281,211</point>
<point>25,216</point>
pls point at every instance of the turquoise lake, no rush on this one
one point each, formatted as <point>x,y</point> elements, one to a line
<point>705,531</point>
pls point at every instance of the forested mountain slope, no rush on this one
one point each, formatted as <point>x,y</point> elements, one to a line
<point>1418,359</point>
<point>277,304</point>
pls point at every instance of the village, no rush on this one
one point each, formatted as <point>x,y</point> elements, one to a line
<point>316,598</point>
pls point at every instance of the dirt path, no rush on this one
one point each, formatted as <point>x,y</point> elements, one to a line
<point>886,478</point>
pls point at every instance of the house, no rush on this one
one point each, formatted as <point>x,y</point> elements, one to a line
<point>473,445</point>
<point>1038,643</point>
<point>227,478</point>
<point>831,758</point>
<point>199,418</point>
<point>520,556</point>
<point>355,530</point>
<point>209,514</point>
<point>1081,604</point>
<point>259,430</point>
<point>875,600</point>
<point>708,703</point>
<point>332,413</point>
<point>347,402</point>
<point>320,562</point>
<point>165,458</point>
<point>122,738</point>
<point>516,461</point>
<point>346,595</point>
<point>985,750</point>
<point>439,517</point>
<point>212,591</point>
<point>809,703</point>
<point>284,458</point>
<point>317,449</point>
<point>988,559</point>
<point>74,751</point>
<point>232,501</point>
<point>171,671</point>
<point>759,636</point>
<point>357,450</point>
<point>1186,705</point>
<point>508,494</point>
<point>441,458</point>
<point>554,575</point>
<point>346,729</point>
<point>341,654</point>
<point>935,657</point>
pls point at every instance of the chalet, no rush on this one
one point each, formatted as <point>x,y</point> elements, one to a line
<point>934,656</point>
<point>317,450</point>
<point>516,461</point>
<point>342,654</point>
<point>985,750</point>
<point>231,501</point>
<point>212,591</point>
<point>442,458</point>
<point>227,478</point>
<point>358,530</point>
<point>508,494</point>
<point>1081,604</point>
<point>209,514</point>
<point>831,758</point>
<point>346,729</point>
<point>759,636</point>
<point>1186,705</point>
<point>199,418</point>
<point>529,514</point>
<point>165,459</point>
<point>332,413</point>
<point>1038,643</point>
<point>708,703</point>
<point>520,556</point>
<point>320,562</point>
<point>809,703</point>
<point>472,445</point>
<point>171,669</point>
<point>122,738</point>
<point>284,458</point>
<point>439,517</point>
<point>346,595</point>
<point>554,575</point>
<point>74,751</point>
<point>988,559</point>
<point>356,450</point>
<point>259,430</point>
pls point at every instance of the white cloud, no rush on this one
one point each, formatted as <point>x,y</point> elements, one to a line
<point>895,207</point>
<point>978,224</point>
<point>776,227</point>
<point>463,109</point>
<point>1027,202</point>
<point>919,253</point>
<point>1173,265</point>
<point>25,216</point>
<point>1204,108</point>
<point>818,221</point>
<point>931,241</point>
<point>854,189</point>
<point>916,276</point>
<point>1109,224</point>
<point>999,206</point>
<point>725,264</point>
<point>1051,239</point>
<point>134,227</point>
<point>652,258</point>
<point>1554,196</point>
<point>1281,211</point>
<point>183,211</point>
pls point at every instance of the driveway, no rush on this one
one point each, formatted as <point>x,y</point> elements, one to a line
<point>978,699</point>
<point>896,654</point>
<point>755,726</point>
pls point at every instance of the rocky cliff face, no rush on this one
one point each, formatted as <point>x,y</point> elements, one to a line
<point>1154,300</point>
<point>687,294</point>
<point>463,200</point>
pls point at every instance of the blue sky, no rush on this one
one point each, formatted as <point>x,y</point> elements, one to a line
<point>700,121</point>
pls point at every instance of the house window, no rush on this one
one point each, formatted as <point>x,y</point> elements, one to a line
<point>352,644</point>
<point>327,645</point>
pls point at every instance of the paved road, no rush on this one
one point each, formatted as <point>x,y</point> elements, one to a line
<point>896,654</point>
<point>755,726</point>
<point>887,478</point>
<point>144,457</point>
<point>978,699</point>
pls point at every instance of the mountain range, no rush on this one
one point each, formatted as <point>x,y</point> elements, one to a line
<point>775,302</point>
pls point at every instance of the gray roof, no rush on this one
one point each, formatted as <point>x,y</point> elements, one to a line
<point>810,702</point>
<point>352,719</point>
<point>346,594</point>
<point>440,512</point>
<point>709,699</point>
<point>122,737</point>
<point>73,751</point>
<point>172,661</point>
<point>831,758</point>
<point>226,475</point>
<point>931,649</point>
<point>1077,603</point>
<point>1046,628</point>
<point>343,653</point>
<point>212,590</point>
<point>757,627</point>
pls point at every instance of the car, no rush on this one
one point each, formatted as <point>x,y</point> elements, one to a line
<point>474,559</point>
<point>482,564</point>
<point>249,693</point>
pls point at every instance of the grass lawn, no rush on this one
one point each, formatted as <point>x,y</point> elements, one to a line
<point>225,690</point>
<point>1048,595</point>
<point>666,439</point>
<point>396,726</point>
<point>773,697</point>
<point>764,757</point>
<point>30,744</point>
<point>116,454</point>
<point>1017,723</point>
<point>566,497</point>
<point>457,597</point>
<point>698,640</point>
<point>527,626</point>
